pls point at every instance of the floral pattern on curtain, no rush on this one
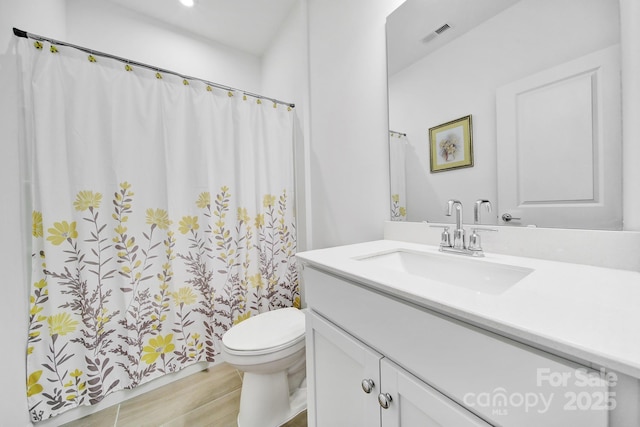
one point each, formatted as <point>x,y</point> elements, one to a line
<point>397,154</point>
<point>162,215</point>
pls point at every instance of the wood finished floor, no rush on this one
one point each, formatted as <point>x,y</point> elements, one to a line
<point>209,398</point>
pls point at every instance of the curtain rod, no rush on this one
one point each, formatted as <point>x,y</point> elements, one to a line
<point>397,133</point>
<point>26,35</point>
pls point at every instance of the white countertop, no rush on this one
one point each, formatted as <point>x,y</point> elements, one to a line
<point>590,314</point>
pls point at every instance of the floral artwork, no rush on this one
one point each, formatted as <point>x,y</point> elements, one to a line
<point>451,145</point>
<point>130,306</point>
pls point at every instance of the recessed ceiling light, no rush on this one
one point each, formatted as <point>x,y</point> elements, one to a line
<point>188,3</point>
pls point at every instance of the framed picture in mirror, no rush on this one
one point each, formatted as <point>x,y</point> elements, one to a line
<point>451,145</point>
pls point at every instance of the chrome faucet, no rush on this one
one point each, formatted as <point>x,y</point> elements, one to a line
<point>477,208</point>
<point>474,238</point>
<point>458,233</point>
<point>459,245</point>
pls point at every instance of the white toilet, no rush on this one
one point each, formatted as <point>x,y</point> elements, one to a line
<point>269,348</point>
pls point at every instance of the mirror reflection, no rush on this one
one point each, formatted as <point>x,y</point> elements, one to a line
<point>540,79</point>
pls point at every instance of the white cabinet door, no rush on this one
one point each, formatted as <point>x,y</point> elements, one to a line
<point>337,364</point>
<point>415,404</point>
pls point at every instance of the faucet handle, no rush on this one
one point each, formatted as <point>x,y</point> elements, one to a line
<point>474,239</point>
<point>445,237</point>
<point>475,229</point>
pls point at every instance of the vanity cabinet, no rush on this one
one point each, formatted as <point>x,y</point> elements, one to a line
<point>337,366</point>
<point>353,385</point>
<point>436,370</point>
<point>416,404</point>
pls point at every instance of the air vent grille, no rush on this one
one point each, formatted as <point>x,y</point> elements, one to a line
<point>442,29</point>
<point>432,35</point>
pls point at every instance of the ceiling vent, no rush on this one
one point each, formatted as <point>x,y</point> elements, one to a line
<point>436,33</point>
<point>442,29</point>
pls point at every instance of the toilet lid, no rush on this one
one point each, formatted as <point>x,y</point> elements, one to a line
<point>271,329</point>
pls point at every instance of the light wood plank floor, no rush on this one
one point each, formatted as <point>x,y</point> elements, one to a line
<point>210,398</point>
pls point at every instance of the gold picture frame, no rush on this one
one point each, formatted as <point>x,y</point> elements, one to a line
<point>451,145</point>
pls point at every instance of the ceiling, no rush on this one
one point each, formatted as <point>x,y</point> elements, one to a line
<point>411,27</point>
<point>247,25</point>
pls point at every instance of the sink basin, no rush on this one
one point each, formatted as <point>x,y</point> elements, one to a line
<point>473,274</point>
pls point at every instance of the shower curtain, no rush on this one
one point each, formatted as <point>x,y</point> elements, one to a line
<point>397,154</point>
<point>162,215</point>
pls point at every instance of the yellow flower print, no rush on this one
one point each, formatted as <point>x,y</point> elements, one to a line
<point>204,200</point>
<point>259,220</point>
<point>86,200</point>
<point>296,302</point>
<point>76,373</point>
<point>32,383</point>
<point>61,324</point>
<point>242,318</point>
<point>403,211</point>
<point>243,215</point>
<point>268,201</point>
<point>184,296</point>
<point>395,198</point>
<point>125,185</point>
<point>35,310</point>
<point>36,220</point>
<point>188,223</point>
<point>256,281</point>
<point>62,231</point>
<point>159,218</point>
<point>40,284</point>
<point>156,347</point>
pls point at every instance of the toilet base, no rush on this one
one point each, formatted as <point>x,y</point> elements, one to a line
<point>265,400</point>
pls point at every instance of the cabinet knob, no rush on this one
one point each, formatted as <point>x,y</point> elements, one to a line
<point>367,385</point>
<point>384,399</point>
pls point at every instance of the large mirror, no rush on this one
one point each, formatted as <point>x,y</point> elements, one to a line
<point>540,80</point>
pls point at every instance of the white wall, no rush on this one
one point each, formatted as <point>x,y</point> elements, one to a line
<point>462,77</point>
<point>45,16</point>
<point>285,76</point>
<point>110,28</point>
<point>349,159</point>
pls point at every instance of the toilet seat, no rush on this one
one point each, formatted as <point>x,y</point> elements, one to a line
<point>268,332</point>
